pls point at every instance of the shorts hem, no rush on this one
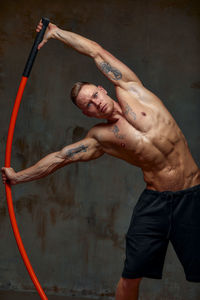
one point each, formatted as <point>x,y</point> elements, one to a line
<point>134,276</point>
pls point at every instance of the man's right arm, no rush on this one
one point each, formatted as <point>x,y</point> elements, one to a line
<point>116,71</point>
<point>84,150</point>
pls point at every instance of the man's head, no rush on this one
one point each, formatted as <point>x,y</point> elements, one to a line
<point>92,100</point>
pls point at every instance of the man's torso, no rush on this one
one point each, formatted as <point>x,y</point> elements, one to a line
<point>147,136</point>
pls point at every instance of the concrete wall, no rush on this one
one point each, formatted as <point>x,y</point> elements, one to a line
<point>73,222</point>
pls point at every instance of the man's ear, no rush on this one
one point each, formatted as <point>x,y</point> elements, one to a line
<point>102,89</point>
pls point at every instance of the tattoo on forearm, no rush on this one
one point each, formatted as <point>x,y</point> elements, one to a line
<point>128,110</point>
<point>74,151</point>
<point>106,68</point>
<point>115,130</point>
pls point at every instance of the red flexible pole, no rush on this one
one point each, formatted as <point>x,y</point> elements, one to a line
<point>9,194</point>
<point>26,73</point>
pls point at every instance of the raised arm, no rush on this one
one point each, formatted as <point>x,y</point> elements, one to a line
<point>84,150</point>
<point>109,65</point>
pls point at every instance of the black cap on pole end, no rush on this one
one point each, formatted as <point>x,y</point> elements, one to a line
<point>45,21</point>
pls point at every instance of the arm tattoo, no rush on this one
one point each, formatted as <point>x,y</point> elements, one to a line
<point>115,130</point>
<point>128,110</point>
<point>74,151</point>
<point>106,68</point>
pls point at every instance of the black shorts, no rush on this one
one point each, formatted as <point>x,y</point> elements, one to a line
<point>160,217</point>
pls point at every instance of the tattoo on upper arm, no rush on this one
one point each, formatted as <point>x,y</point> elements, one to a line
<point>128,110</point>
<point>74,151</point>
<point>106,68</point>
<point>115,130</point>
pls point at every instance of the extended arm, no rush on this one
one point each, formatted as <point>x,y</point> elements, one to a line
<point>110,66</point>
<point>84,150</point>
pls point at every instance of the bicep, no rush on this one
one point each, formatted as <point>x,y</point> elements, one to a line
<point>114,69</point>
<point>84,150</point>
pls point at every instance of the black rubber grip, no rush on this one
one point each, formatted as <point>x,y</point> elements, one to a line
<point>34,50</point>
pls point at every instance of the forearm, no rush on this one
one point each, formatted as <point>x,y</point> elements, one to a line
<point>76,41</point>
<point>42,168</point>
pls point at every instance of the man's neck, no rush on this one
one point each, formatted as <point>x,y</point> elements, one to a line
<point>117,113</point>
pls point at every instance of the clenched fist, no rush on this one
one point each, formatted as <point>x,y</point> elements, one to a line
<point>48,34</point>
<point>8,175</point>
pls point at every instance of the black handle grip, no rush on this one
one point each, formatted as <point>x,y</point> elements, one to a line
<point>34,50</point>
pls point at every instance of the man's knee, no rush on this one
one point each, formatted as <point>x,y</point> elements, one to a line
<point>127,284</point>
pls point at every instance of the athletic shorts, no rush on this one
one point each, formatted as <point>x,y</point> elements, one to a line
<point>160,217</point>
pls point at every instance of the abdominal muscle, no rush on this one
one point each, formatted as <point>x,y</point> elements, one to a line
<point>176,170</point>
<point>170,179</point>
<point>173,172</point>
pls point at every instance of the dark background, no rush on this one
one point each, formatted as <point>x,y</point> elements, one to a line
<point>73,222</point>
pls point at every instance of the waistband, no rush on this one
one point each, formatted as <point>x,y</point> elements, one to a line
<point>180,192</point>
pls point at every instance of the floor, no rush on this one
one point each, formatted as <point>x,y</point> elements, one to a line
<point>10,295</point>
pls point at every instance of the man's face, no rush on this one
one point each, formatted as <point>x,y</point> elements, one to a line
<point>94,102</point>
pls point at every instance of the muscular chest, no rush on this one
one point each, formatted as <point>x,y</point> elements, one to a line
<point>120,139</point>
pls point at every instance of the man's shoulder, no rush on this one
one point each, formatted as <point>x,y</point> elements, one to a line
<point>137,93</point>
<point>97,130</point>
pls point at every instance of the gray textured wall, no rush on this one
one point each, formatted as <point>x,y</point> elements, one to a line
<point>73,222</point>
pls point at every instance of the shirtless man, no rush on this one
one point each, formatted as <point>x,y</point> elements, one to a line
<point>141,131</point>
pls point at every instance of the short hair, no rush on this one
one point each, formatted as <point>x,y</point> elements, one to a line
<point>76,90</point>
